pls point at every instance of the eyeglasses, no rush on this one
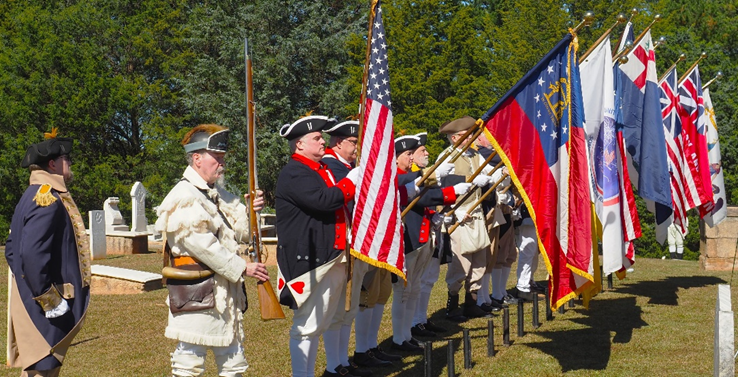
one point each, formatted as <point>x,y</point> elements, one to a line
<point>352,141</point>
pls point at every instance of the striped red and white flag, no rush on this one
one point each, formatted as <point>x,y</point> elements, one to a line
<point>377,223</point>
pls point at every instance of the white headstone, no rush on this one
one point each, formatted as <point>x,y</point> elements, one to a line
<point>98,246</point>
<point>724,363</point>
<point>138,199</point>
<point>113,219</point>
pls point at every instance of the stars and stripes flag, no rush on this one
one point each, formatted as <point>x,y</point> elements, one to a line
<point>611,190</point>
<point>537,130</point>
<point>637,113</point>
<point>720,210</point>
<point>681,139</point>
<point>693,115</point>
<point>377,224</point>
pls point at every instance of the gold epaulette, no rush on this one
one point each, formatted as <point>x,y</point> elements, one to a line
<point>43,197</point>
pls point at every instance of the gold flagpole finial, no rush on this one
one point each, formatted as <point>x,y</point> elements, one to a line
<point>718,76</point>
<point>703,55</point>
<point>620,19</point>
<point>681,57</point>
<point>633,12</point>
<point>661,41</point>
<point>586,21</point>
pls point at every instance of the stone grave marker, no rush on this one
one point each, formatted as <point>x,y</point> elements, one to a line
<point>98,246</point>
<point>138,199</point>
<point>113,219</point>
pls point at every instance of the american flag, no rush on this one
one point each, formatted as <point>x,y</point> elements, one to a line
<point>681,150</point>
<point>377,230</point>
<point>690,97</point>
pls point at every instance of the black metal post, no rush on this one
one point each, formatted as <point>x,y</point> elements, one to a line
<point>534,313</point>
<point>451,364</point>
<point>506,327</point>
<point>561,309</point>
<point>521,318</point>
<point>571,303</point>
<point>609,281</point>
<point>549,312</point>
<point>427,358</point>
<point>490,338</point>
<point>467,350</point>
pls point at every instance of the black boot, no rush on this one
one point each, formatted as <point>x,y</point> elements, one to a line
<point>453,312</point>
<point>471,309</point>
<point>673,255</point>
<point>680,255</point>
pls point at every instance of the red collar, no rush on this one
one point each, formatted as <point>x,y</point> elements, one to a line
<point>400,171</point>
<point>310,163</point>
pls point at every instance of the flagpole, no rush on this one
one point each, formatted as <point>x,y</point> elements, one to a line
<point>476,204</point>
<point>694,65</point>
<point>362,113</point>
<point>718,76</point>
<point>661,41</point>
<point>586,21</point>
<point>620,20</point>
<point>681,57</point>
<point>633,12</point>
<point>656,19</point>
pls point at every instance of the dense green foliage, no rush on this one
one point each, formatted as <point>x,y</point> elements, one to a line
<point>127,79</point>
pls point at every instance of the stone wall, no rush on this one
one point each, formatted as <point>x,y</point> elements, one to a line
<point>718,244</point>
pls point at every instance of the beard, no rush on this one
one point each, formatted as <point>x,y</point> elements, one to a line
<point>220,181</point>
<point>68,178</point>
<point>422,162</point>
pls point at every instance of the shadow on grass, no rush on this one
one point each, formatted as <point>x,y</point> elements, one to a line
<point>664,292</point>
<point>589,348</point>
<point>413,364</point>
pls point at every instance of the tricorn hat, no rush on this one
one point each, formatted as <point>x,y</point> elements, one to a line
<point>406,143</point>
<point>348,128</point>
<point>306,125</point>
<point>49,149</point>
<point>422,138</point>
<point>210,137</point>
<point>457,125</point>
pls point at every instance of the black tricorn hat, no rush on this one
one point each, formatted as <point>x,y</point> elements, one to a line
<point>305,126</point>
<point>422,139</point>
<point>344,129</point>
<point>406,143</point>
<point>456,125</point>
<point>47,150</point>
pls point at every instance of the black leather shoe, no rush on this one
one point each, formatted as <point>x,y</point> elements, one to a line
<point>340,371</point>
<point>527,296</point>
<point>509,300</point>
<point>407,347</point>
<point>421,330</point>
<point>488,308</point>
<point>415,342</point>
<point>673,255</point>
<point>433,327</point>
<point>369,360</point>
<point>354,369</point>
<point>381,355</point>
<point>535,287</point>
<point>474,311</point>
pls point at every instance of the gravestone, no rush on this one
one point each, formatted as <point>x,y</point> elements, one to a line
<point>718,244</point>
<point>724,364</point>
<point>98,247</point>
<point>113,219</point>
<point>115,280</point>
<point>138,199</point>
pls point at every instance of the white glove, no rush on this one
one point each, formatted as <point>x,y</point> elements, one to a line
<point>481,180</point>
<point>59,310</point>
<point>448,220</point>
<point>516,214</point>
<point>462,188</point>
<point>353,175</point>
<point>412,190</point>
<point>437,219</point>
<point>444,169</point>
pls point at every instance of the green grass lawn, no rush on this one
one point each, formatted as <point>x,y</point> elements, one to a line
<point>656,322</point>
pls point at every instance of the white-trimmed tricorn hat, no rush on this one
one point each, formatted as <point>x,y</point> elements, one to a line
<point>344,129</point>
<point>306,125</point>
<point>406,143</point>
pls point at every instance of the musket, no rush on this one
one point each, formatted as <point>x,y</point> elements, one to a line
<point>694,65</point>
<point>456,154</point>
<point>471,191</point>
<point>477,203</point>
<point>268,302</point>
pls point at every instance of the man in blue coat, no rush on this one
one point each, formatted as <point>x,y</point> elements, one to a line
<point>48,254</point>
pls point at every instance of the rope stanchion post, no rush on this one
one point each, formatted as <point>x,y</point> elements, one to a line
<point>506,327</point>
<point>609,282</point>
<point>490,338</point>
<point>427,358</point>
<point>521,319</point>
<point>549,312</point>
<point>467,350</point>
<point>450,363</point>
<point>534,313</point>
